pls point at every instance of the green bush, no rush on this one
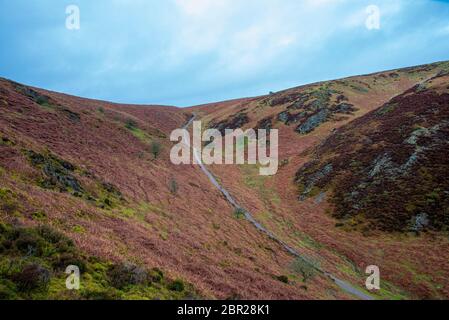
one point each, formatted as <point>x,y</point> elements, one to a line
<point>156,275</point>
<point>155,149</point>
<point>131,124</point>
<point>307,268</point>
<point>283,279</point>
<point>176,285</point>
<point>8,290</point>
<point>239,213</point>
<point>29,244</point>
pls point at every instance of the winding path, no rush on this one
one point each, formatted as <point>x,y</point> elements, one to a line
<point>342,284</point>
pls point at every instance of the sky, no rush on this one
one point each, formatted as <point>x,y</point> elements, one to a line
<point>189,52</point>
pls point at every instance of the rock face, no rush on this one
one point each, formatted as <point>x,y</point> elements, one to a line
<point>236,122</point>
<point>313,122</point>
<point>316,179</point>
<point>58,172</point>
<point>266,124</point>
<point>32,94</point>
<point>389,168</point>
<point>60,175</point>
<point>311,109</point>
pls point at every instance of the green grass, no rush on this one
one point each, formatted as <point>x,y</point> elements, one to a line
<point>140,134</point>
<point>252,179</point>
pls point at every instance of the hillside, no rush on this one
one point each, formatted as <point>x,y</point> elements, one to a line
<point>328,122</point>
<point>362,181</point>
<point>86,169</point>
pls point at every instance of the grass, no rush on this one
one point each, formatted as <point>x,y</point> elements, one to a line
<point>252,179</point>
<point>9,202</point>
<point>79,229</point>
<point>140,134</point>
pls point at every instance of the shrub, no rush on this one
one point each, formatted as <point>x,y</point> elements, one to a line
<point>239,213</point>
<point>130,124</point>
<point>8,203</point>
<point>173,186</point>
<point>176,285</point>
<point>29,243</point>
<point>32,277</point>
<point>306,268</point>
<point>123,275</point>
<point>155,149</point>
<point>156,275</point>
<point>55,237</point>
<point>283,279</point>
<point>62,261</point>
<point>7,290</point>
<point>39,215</point>
<point>42,100</point>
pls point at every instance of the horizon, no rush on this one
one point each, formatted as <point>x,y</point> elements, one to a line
<point>149,104</point>
<point>192,52</point>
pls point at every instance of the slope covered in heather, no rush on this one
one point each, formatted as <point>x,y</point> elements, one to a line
<point>99,176</point>
<point>362,163</point>
<point>329,133</point>
<point>388,169</point>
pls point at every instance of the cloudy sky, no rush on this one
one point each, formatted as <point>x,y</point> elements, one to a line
<point>187,52</point>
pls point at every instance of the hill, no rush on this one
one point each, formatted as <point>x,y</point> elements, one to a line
<point>362,182</point>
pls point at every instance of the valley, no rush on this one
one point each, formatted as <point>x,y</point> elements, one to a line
<point>362,181</point>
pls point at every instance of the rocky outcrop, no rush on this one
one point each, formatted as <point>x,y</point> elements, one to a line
<point>387,170</point>
<point>236,122</point>
<point>313,122</point>
<point>312,108</point>
<point>58,173</point>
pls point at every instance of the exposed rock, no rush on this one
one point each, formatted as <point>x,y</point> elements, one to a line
<point>389,167</point>
<point>313,122</point>
<point>266,124</point>
<point>320,198</point>
<point>236,122</point>
<point>380,164</point>
<point>284,117</point>
<point>421,221</point>
<point>58,172</point>
<point>33,95</point>
<point>73,116</point>
<point>309,181</point>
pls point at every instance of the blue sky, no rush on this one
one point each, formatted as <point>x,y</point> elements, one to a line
<point>187,52</point>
